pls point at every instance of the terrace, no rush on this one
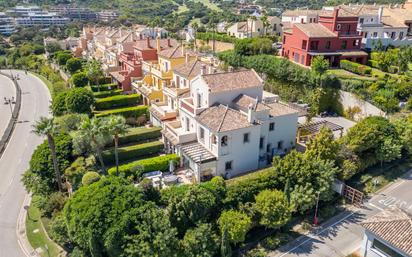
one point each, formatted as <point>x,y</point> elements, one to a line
<point>176,134</point>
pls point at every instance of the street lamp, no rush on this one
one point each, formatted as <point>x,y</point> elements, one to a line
<point>9,102</point>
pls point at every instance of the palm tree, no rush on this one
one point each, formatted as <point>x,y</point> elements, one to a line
<point>253,18</point>
<point>265,22</point>
<point>116,126</point>
<point>45,127</point>
<point>94,72</point>
<point>92,134</point>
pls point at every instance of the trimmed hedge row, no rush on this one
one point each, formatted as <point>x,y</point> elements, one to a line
<point>128,112</point>
<point>104,87</point>
<point>117,101</point>
<point>355,67</point>
<point>104,94</point>
<point>139,134</point>
<point>132,152</point>
<point>130,170</point>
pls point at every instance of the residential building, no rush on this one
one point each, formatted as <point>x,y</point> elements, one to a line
<point>23,11</point>
<point>75,13</point>
<point>69,43</point>
<point>130,60</point>
<point>107,16</point>
<point>6,24</point>
<point>143,32</point>
<point>41,19</point>
<point>388,234</point>
<point>226,128</point>
<point>291,17</point>
<point>254,28</point>
<point>158,74</point>
<point>334,36</point>
<point>183,76</point>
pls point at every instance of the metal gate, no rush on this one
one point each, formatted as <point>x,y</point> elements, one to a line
<point>352,195</point>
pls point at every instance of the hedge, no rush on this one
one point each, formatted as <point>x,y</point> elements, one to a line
<point>355,67</point>
<point>139,134</point>
<point>104,94</point>
<point>117,101</point>
<point>208,36</point>
<point>147,165</point>
<point>132,152</point>
<point>128,112</point>
<point>104,87</point>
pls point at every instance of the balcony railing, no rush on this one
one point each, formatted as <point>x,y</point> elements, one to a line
<point>188,105</point>
<point>181,135</point>
<point>174,91</point>
<point>164,110</point>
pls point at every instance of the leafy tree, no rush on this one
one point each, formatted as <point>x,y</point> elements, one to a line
<point>273,207</point>
<point>116,126</point>
<point>58,230</point>
<point>73,65</point>
<point>80,79</point>
<point>59,104</point>
<point>91,136</point>
<point>53,47</point>
<point>62,57</point>
<point>237,225</point>
<point>404,129</point>
<point>74,174</point>
<point>195,206</point>
<point>90,177</point>
<point>41,176</point>
<point>52,204</point>
<point>45,127</point>
<point>323,145</point>
<point>200,242</point>
<point>319,65</point>
<point>389,151</point>
<point>79,100</point>
<point>69,122</point>
<point>94,72</point>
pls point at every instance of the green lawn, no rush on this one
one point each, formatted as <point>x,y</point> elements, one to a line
<point>209,4</point>
<point>344,74</point>
<point>37,235</point>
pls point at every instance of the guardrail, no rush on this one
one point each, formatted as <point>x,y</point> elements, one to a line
<point>15,114</point>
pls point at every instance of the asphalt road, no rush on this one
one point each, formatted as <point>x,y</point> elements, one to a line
<point>15,160</point>
<point>344,235</point>
<point>8,90</point>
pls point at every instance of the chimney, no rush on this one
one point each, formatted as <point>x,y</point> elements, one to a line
<point>140,36</point>
<point>380,14</point>
<point>202,69</point>
<point>148,42</point>
<point>158,45</point>
<point>168,43</point>
<point>183,50</point>
<point>210,69</point>
<point>214,70</point>
<point>250,114</point>
<point>187,58</point>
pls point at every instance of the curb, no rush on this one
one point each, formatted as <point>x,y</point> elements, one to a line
<point>21,230</point>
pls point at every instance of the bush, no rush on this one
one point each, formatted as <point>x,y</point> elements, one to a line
<point>139,134</point>
<point>80,79</point>
<point>58,230</point>
<point>128,112</point>
<point>104,87</point>
<point>131,170</point>
<point>79,100</point>
<point>104,94</point>
<point>52,204</point>
<point>117,101</point>
<point>58,105</point>
<point>206,36</point>
<point>355,67</point>
<point>134,151</point>
<point>74,174</point>
<point>73,65</point>
<point>90,177</point>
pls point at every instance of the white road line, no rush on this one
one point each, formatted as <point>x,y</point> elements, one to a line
<point>320,232</point>
<point>374,206</point>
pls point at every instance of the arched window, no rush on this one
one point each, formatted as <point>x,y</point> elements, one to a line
<point>223,141</point>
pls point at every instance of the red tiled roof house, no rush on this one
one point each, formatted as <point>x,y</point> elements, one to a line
<point>334,36</point>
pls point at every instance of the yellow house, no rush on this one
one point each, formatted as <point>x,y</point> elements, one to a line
<point>159,73</point>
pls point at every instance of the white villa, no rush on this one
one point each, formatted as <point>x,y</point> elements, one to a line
<point>225,127</point>
<point>254,28</point>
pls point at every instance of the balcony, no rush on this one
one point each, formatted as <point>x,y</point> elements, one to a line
<point>174,91</point>
<point>162,111</point>
<point>154,68</point>
<point>349,34</point>
<point>175,133</point>
<point>188,105</point>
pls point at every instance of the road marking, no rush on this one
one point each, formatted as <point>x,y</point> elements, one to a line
<point>320,232</point>
<point>377,207</point>
<point>391,201</point>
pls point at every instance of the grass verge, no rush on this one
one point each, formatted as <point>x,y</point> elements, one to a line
<point>37,235</point>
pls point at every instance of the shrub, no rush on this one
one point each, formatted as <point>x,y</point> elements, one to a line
<point>52,204</point>
<point>355,67</point>
<point>73,65</point>
<point>139,134</point>
<point>104,87</point>
<point>104,94</point>
<point>74,174</point>
<point>79,100</point>
<point>130,170</point>
<point>206,36</point>
<point>117,101</point>
<point>128,112</point>
<point>90,177</point>
<point>58,105</point>
<point>58,230</point>
<point>134,151</point>
<point>80,79</point>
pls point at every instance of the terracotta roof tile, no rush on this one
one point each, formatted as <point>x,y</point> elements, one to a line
<point>192,68</point>
<point>280,109</point>
<point>176,52</point>
<point>394,226</point>
<point>298,12</point>
<point>164,44</point>
<point>222,118</point>
<point>243,102</point>
<point>315,30</point>
<point>228,81</point>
